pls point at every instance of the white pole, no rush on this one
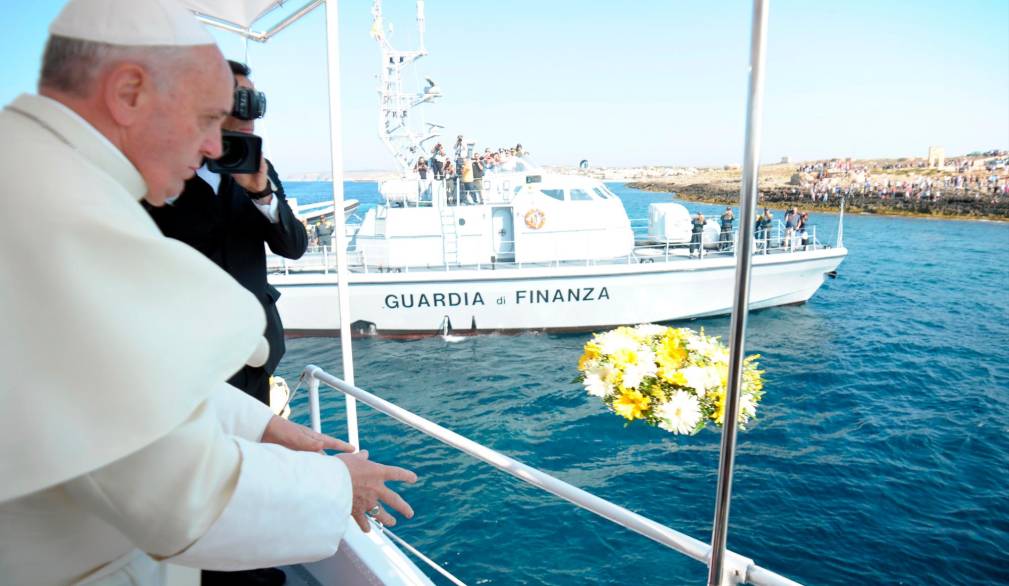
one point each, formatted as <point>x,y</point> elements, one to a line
<point>840,226</point>
<point>339,223</point>
<point>741,299</point>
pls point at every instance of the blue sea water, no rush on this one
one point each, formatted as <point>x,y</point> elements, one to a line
<point>880,456</point>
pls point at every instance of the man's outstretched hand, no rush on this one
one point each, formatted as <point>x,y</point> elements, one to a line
<point>368,479</point>
<point>300,438</point>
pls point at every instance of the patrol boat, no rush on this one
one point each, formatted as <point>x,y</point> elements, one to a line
<point>524,250</point>
<point>374,558</point>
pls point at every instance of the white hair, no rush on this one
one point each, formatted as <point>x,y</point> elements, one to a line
<point>71,65</point>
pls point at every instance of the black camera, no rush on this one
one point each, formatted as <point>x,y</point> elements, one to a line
<point>249,104</point>
<point>240,153</point>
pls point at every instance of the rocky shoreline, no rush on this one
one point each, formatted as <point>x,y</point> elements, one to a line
<point>952,207</point>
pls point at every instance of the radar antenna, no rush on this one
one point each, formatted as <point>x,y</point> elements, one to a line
<point>395,103</point>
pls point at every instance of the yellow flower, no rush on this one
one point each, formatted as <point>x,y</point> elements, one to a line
<point>591,353</point>
<point>624,356</point>
<point>630,404</point>
<point>719,415</point>
<point>672,375</point>
<point>630,332</point>
<point>670,353</point>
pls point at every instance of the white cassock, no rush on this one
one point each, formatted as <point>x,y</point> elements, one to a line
<point>120,444</point>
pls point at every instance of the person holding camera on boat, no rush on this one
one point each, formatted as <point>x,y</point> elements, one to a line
<point>697,234</point>
<point>459,150</point>
<point>725,238</point>
<point>438,162</point>
<point>469,194</point>
<point>230,217</point>
<point>478,173</point>
<point>791,220</point>
<point>420,167</point>
<point>759,228</point>
<point>134,450</point>
<point>800,230</point>
<point>451,183</point>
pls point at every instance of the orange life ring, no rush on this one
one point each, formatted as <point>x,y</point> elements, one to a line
<point>535,218</point>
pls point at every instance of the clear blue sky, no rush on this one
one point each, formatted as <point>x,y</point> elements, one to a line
<point>627,83</point>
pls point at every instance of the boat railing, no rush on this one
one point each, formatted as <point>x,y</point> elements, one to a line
<point>452,192</point>
<point>739,569</point>
<point>320,258</point>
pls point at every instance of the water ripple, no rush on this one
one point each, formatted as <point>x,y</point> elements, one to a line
<point>878,458</point>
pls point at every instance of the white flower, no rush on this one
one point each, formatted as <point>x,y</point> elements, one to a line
<point>596,386</point>
<point>747,408</point>
<point>597,380</point>
<point>706,347</point>
<point>712,377</point>
<point>697,378</point>
<point>614,341</point>
<point>680,414</point>
<point>650,330</point>
<point>635,373</point>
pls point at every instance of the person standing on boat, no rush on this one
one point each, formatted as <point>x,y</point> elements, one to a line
<point>324,233</point>
<point>768,228</point>
<point>421,168</point>
<point>231,218</point>
<point>725,238</point>
<point>459,151</point>
<point>791,219</point>
<point>133,450</point>
<point>760,228</point>
<point>468,187</point>
<point>452,183</point>
<point>801,229</point>
<point>697,232</point>
<point>478,172</point>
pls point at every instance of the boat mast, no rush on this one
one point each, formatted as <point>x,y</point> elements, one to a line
<point>395,103</point>
<point>741,296</point>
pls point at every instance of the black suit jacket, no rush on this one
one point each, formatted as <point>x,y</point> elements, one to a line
<point>228,229</point>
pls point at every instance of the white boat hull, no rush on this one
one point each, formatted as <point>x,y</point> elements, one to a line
<point>564,297</point>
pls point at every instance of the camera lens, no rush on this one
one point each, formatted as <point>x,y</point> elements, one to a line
<point>233,152</point>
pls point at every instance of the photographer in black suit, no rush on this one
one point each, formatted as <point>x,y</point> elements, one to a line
<point>229,218</point>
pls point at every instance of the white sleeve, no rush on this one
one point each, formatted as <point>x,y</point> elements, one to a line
<point>240,414</point>
<point>269,210</point>
<point>269,521</point>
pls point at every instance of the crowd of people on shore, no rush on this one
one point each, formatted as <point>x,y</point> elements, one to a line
<point>832,180</point>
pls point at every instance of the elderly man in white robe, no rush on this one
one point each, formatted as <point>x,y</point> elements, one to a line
<point>122,445</point>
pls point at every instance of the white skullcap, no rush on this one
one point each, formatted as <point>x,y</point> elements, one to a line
<point>134,23</point>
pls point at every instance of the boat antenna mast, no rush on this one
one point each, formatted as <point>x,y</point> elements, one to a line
<point>395,104</point>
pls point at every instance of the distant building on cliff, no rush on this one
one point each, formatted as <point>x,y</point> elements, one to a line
<point>936,157</point>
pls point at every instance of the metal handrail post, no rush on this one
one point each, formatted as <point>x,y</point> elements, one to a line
<point>741,300</point>
<point>339,237</point>
<point>619,515</point>
<point>313,404</point>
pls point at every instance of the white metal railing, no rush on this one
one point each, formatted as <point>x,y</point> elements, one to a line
<point>740,569</point>
<point>775,240</point>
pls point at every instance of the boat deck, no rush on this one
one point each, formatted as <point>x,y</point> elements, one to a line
<point>299,576</point>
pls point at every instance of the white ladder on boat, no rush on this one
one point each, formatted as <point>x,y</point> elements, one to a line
<point>449,236</point>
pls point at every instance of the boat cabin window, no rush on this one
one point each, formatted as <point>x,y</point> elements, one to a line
<point>601,193</point>
<point>557,194</point>
<point>580,195</point>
